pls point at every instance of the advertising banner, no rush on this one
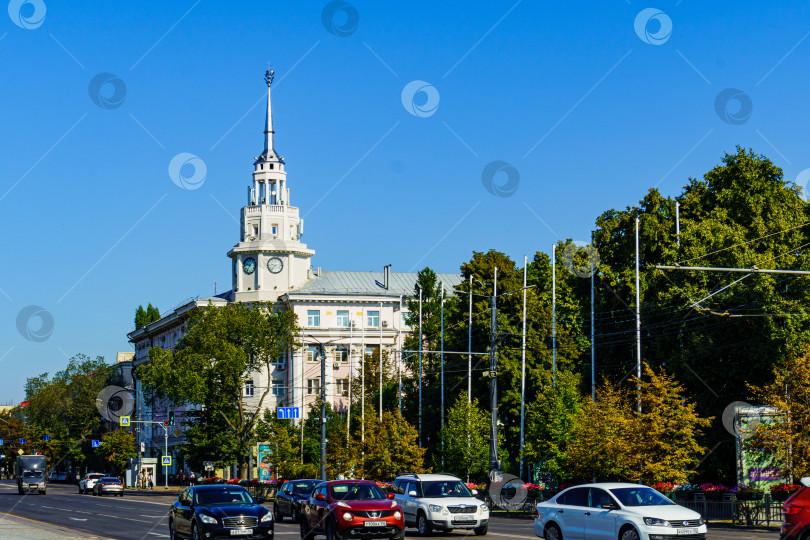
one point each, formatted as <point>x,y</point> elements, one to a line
<point>265,457</point>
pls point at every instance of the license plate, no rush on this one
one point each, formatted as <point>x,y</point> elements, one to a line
<point>375,524</point>
<point>241,532</point>
<point>464,518</point>
<point>32,486</point>
<point>686,531</point>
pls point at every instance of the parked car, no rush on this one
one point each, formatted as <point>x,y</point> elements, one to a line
<point>289,498</point>
<point>87,482</point>
<point>797,514</point>
<point>440,501</point>
<point>219,510</point>
<point>609,511</point>
<point>351,509</point>
<point>108,485</point>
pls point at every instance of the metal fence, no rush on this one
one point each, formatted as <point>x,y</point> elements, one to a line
<point>750,513</point>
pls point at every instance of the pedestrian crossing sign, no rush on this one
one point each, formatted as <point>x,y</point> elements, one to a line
<point>167,461</point>
<point>123,420</point>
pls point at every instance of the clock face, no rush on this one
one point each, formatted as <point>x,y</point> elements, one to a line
<point>275,265</point>
<point>250,265</point>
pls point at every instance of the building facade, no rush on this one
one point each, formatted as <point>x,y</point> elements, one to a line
<point>343,315</point>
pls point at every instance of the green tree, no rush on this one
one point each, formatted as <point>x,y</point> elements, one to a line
<point>466,439</point>
<point>141,318</point>
<point>116,448</point>
<point>222,348</point>
<point>551,419</point>
<point>666,432</point>
<point>390,447</point>
<point>283,437</point>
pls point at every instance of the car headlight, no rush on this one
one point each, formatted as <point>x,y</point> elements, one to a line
<point>267,517</point>
<point>701,521</point>
<point>434,508</point>
<point>397,515</point>
<point>347,516</point>
<point>343,504</point>
<point>208,519</point>
<point>484,508</point>
<point>655,522</point>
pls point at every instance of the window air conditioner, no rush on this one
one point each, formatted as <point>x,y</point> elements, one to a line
<point>385,324</point>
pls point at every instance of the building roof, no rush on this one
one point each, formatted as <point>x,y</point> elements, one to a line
<point>370,284</point>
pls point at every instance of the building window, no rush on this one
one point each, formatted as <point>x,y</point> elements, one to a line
<point>313,387</point>
<point>313,317</point>
<point>371,350</point>
<point>342,387</point>
<point>312,354</point>
<point>372,319</point>
<point>278,387</point>
<point>343,319</point>
<point>281,360</point>
<point>275,230</point>
<point>249,388</point>
<point>341,354</point>
<point>406,319</point>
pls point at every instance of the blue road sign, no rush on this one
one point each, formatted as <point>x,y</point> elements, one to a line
<point>1,442</point>
<point>46,438</point>
<point>167,461</point>
<point>95,444</point>
<point>22,441</point>
<point>288,413</point>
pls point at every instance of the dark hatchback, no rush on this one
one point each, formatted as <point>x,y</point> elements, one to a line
<point>290,496</point>
<point>219,511</point>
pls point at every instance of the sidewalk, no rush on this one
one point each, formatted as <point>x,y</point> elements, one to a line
<point>28,529</point>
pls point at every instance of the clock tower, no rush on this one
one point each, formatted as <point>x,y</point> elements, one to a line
<point>270,259</point>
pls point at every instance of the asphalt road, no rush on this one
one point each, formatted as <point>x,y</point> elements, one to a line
<point>142,515</point>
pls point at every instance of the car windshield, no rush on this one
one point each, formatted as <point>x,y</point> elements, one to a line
<point>32,474</point>
<point>304,488</point>
<point>640,496</point>
<point>95,476</point>
<point>109,479</point>
<point>445,488</point>
<point>356,491</point>
<point>223,496</point>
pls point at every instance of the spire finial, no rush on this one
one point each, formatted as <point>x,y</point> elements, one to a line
<point>268,76</point>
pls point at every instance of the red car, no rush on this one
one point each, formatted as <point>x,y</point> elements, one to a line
<point>797,514</point>
<point>351,509</point>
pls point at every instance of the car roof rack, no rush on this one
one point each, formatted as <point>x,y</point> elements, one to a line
<point>408,474</point>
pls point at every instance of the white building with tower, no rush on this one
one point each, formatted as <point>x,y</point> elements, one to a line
<point>345,314</point>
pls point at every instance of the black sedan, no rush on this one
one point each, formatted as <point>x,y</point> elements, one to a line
<point>219,510</point>
<point>289,498</point>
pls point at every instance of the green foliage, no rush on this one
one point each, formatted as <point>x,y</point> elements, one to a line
<point>117,447</point>
<point>390,447</point>
<point>466,439</point>
<point>223,347</point>
<point>146,316</point>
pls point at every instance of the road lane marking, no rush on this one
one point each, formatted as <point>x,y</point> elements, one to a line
<point>77,519</point>
<point>121,517</point>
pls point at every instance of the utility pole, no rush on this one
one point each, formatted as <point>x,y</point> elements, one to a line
<point>323,414</point>
<point>554,313</point>
<point>494,462</point>
<point>469,348</point>
<point>441,356</point>
<point>523,368</point>
<point>381,360</point>
<point>420,365</point>
<point>593,334</point>
<point>638,323</point>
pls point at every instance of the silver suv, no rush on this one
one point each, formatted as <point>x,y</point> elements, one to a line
<point>440,501</point>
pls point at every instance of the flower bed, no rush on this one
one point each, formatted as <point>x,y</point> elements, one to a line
<point>781,492</point>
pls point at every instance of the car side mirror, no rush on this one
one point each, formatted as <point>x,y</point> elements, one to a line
<point>320,497</point>
<point>391,495</point>
<point>474,492</point>
<point>260,500</point>
<point>411,493</point>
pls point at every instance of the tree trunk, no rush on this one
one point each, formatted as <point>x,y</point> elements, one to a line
<point>243,468</point>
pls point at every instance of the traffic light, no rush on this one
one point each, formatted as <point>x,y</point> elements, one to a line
<point>165,422</point>
<point>171,418</point>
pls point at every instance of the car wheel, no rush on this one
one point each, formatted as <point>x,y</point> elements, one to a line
<point>553,533</point>
<point>482,530</point>
<point>277,517</point>
<point>422,524</point>
<point>331,531</point>
<point>80,491</point>
<point>400,536</point>
<point>294,517</point>
<point>305,534</point>
<point>194,534</point>
<point>629,534</point>
<point>172,535</point>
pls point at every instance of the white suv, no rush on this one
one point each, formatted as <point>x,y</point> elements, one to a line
<point>86,484</point>
<point>440,501</point>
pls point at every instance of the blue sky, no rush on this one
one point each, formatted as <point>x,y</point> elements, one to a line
<point>587,112</point>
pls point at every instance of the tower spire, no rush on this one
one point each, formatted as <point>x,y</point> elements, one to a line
<point>269,151</point>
